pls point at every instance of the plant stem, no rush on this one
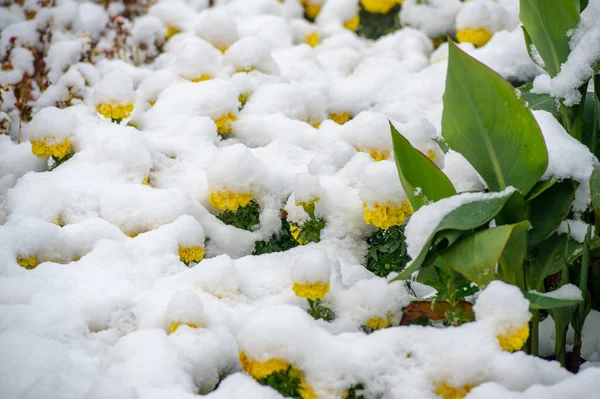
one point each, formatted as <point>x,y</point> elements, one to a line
<point>561,347</point>
<point>579,318</point>
<point>534,337</point>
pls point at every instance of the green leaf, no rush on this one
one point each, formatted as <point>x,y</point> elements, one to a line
<point>513,257</point>
<point>416,170</point>
<point>464,218</point>
<point>490,125</point>
<point>543,102</point>
<point>540,187</point>
<point>476,255</point>
<point>549,260</point>
<point>537,300</point>
<point>547,23</point>
<point>591,113</point>
<point>595,189</point>
<point>548,210</point>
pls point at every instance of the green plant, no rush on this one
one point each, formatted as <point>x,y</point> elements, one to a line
<point>245,217</point>
<point>319,311</point>
<point>280,241</point>
<point>387,251</point>
<point>309,231</point>
<point>287,383</point>
<point>373,25</point>
<point>494,129</point>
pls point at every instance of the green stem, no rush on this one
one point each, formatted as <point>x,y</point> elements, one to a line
<point>534,338</point>
<point>561,347</point>
<point>572,117</point>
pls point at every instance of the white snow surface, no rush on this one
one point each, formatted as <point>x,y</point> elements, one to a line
<point>92,319</point>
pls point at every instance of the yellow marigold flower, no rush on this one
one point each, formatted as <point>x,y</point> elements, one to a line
<point>222,49</point>
<point>340,118</point>
<point>260,370</point>
<point>312,39</point>
<point>295,231</point>
<point>477,36</point>
<point>224,123</point>
<point>171,30</point>
<point>377,323</point>
<point>379,155</point>
<point>306,391</point>
<point>28,263</point>
<point>447,391</point>
<point>431,155</point>
<point>353,23</point>
<point>514,339</point>
<point>379,6</point>
<point>316,124</point>
<point>115,111</point>
<point>48,147</point>
<point>227,200</point>
<point>312,10</point>
<point>386,215</point>
<point>312,291</point>
<point>242,98</point>
<point>173,326</point>
<point>191,254</point>
<point>202,78</point>
<point>244,70</point>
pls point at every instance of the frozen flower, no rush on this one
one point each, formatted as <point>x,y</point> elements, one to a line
<point>28,263</point>
<point>50,147</point>
<point>312,39</point>
<point>202,78</point>
<point>173,326</point>
<point>379,6</point>
<point>224,123</point>
<point>312,8</point>
<point>514,338</point>
<point>447,391</point>
<point>295,231</point>
<point>243,97</point>
<point>388,214</point>
<point>146,181</point>
<point>186,308</point>
<point>307,191</point>
<point>311,273</point>
<point>114,96</point>
<point>171,31</point>
<point>114,110</point>
<point>378,155</point>
<point>352,23</point>
<point>377,323</point>
<point>476,36</point>
<point>191,254</point>
<point>305,390</point>
<point>227,200</point>
<point>339,117</point>
<point>312,291</point>
<point>260,370</point>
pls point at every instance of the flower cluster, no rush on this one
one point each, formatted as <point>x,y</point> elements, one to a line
<point>224,123</point>
<point>49,147</point>
<point>312,291</point>
<point>379,6</point>
<point>377,323</point>
<point>260,370</point>
<point>173,326</point>
<point>340,117</point>
<point>385,215</point>
<point>116,112</point>
<point>476,36</point>
<point>191,254</point>
<point>447,391</point>
<point>28,263</point>
<point>514,338</point>
<point>227,200</point>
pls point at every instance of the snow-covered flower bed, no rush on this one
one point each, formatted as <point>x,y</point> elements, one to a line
<point>191,194</point>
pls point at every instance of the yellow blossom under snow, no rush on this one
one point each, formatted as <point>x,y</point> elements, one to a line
<point>244,70</point>
<point>312,291</point>
<point>146,181</point>
<point>379,155</point>
<point>447,391</point>
<point>340,118</point>
<point>48,147</point>
<point>386,215</point>
<point>202,78</point>
<point>173,326</point>
<point>477,36</point>
<point>227,200</point>
<point>28,263</point>
<point>379,6</point>
<point>353,23</point>
<point>312,10</point>
<point>242,98</point>
<point>191,254</point>
<point>295,231</point>
<point>306,391</point>
<point>224,123</point>
<point>377,323</point>
<point>514,339</point>
<point>260,370</point>
<point>171,31</point>
<point>312,39</point>
<point>115,111</point>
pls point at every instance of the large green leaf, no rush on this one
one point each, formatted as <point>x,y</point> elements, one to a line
<point>548,210</point>
<point>540,187</point>
<point>476,255</point>
<point>538,300</point>
<point>490,125</point>
<point>547,23</point>
<point>513,257</point>
<point>417,171</point>
<point>550,257</point>
<point>595,189</point>
<point>465,217</point>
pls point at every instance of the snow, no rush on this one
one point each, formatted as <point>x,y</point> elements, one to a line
<point>567,291</point>
<point>93,319</point>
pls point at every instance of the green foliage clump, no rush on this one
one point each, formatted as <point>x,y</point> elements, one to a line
<point>354,392</point>
<point>319,311</point>
<point>310,231</point>
<point>287,383</point>
<point>245,217</point>
<point>280,241</point>
<point>373,26</point>
<point>387,251</point>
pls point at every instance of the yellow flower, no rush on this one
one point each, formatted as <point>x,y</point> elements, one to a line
<point>242,98</point>
<point>244,70</point>
<point>115,111</point>
<point>316,124</point>
<point>353,23</point>
<point>171,30</point>
<point>385,215</point>
<point>431,155</point>
<point>340,118</point>
<point>295,231</point>
<point>437,41</point>
<point>306,391</point>
<point>449,392</point>
<point>28,263</point>
<point>227,200</point>
<point>377,323</point>
<point>146,181</point>
<point>191,254</point>
<point>224,123</point>
<point>260,370</point>
<point>312,291</point>
<point>202,78</point>
<point>173,326</point>
<point>514,339</point>
<point>477,36</point>
<point>379,155</point>
<point>58,221</point>
<point>312,39</point>
<point>379,6</point>
<point>222,49</point>
<point>48,147</point>
<point>312,10</point>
